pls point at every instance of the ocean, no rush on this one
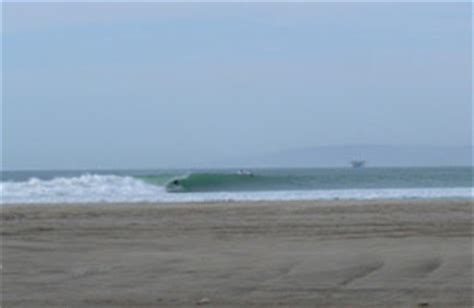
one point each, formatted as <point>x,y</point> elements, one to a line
<point>93,186</point>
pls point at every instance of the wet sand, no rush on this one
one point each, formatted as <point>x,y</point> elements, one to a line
<point>278,254</point>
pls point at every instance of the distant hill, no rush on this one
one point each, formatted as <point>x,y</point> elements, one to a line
<point>375,155</point>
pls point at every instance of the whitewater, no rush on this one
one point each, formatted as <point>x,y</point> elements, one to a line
<point>112,188</point>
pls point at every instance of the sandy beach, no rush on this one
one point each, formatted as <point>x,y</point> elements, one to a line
<point>275,254</point>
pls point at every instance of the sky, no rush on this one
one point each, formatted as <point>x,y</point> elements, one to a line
<point>161,85</point>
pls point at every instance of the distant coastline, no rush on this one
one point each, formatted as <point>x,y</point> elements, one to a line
<point>329,156</point>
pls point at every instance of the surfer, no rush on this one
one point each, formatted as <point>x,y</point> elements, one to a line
<point>245,172</point>
<point>175,185</point>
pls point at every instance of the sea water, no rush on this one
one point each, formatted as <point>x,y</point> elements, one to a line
<point>93,186</point>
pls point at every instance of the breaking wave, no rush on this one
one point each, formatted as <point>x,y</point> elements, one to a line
<point>93,188</point>
<point>84,188</point>
<point>214,182</point>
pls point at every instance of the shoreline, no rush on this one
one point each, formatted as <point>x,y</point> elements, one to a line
<point>314,202</point>
<point>378,253</point>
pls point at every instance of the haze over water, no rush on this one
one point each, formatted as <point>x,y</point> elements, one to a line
<point>183,85</point>
<point>205,89</point>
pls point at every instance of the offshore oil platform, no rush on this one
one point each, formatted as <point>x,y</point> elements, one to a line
<point>358,163</point>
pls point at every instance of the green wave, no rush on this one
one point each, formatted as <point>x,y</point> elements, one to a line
<point>311,179</point>
<point>212,182</point>
<point>158,180</point>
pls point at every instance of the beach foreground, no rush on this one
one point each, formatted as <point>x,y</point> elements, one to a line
<point>294,254</point>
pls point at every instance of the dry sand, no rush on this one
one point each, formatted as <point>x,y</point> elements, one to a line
<point>280,254</point>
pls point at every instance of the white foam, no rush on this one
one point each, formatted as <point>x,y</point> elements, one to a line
<point>85,188</point>
<point>111,188</point>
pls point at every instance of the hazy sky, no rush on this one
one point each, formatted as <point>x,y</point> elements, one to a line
<point>183,85</point>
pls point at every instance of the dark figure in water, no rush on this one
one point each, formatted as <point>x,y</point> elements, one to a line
<point>176,182</point>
